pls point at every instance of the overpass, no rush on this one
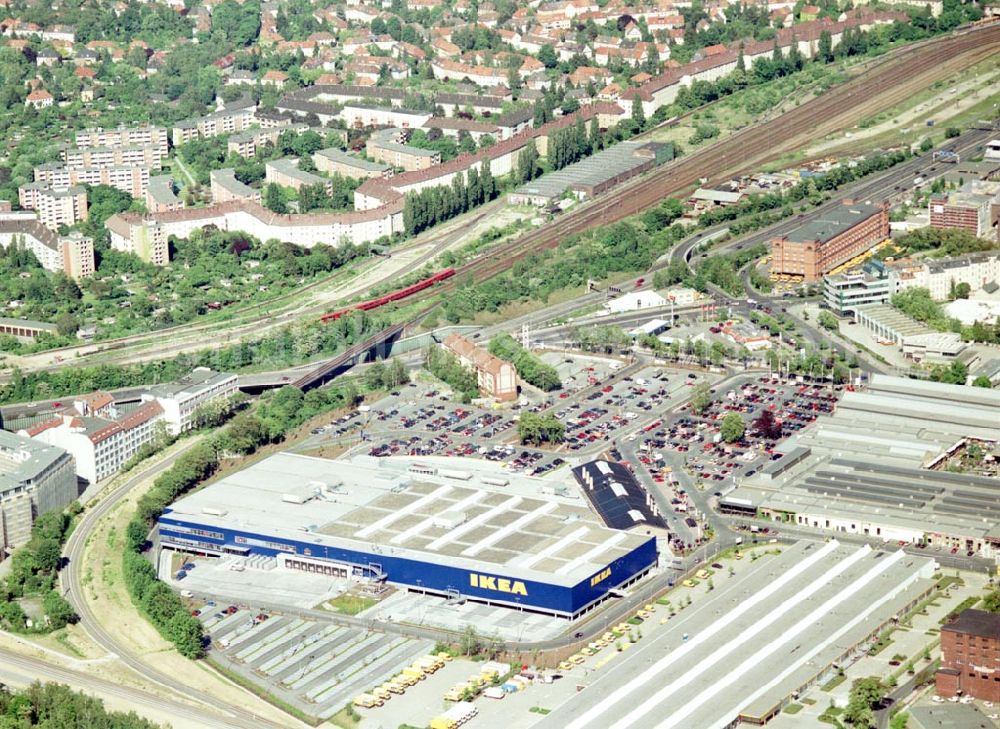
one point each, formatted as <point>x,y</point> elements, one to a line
<point>378,345</point>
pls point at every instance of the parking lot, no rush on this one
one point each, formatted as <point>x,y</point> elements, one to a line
<point>715,462</point>
<point>315,666</point>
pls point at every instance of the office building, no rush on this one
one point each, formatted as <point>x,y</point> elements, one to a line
<point>180,400</point>
<point>837,236</point>
<point>970,656</point>
<point>101,435</point>
<point>34,478</point>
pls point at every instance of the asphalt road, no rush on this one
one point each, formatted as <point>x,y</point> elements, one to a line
<point>71,577</point>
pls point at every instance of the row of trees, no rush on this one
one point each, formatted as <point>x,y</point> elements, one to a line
<point>32,574</point>
<point>288,346</point>
<point>426,208</point>
<point>55,706</point>
<point>593,255</point>
<point>571,144</point>
<point>530,369</point>
<point>446,367</point>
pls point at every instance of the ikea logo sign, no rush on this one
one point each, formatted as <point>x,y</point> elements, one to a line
<point>600,577</point>
<point>498,584</point>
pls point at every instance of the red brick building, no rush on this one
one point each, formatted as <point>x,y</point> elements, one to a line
<point>970,656</point>
<point>816,248</point>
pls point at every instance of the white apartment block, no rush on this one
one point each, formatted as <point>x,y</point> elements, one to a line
<point>54,207</point>
<point>124,136</point>
<point>132,155</point>
<point>72,254</point>
<point>213,125</point>
<point>132,180</point>
<point>147,240</point>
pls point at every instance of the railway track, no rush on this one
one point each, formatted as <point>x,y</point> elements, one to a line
<point>881,86</point>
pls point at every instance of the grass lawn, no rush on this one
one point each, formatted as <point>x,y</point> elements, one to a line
<point>348,604</point>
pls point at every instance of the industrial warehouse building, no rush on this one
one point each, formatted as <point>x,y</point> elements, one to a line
<point>818,247</point>
<point>878,467</point>
<point>595,174</point>
<point>478,534</point>
<point>754,643</point>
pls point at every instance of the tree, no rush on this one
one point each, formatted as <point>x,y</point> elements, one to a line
<point>766,426</point>
<point>274,199</point>
<point>547,56</point>
<point>375,376</point>
<point>701,398</point>
<point>58,611</point>
<point>864,697</point>
<point>963,290</point>
<point>638,114</point>
<point>991,603</point>
<point>732,428</point>
<point>828,321</point>
<point>527,162</point>
<point>982,381</point>
<point>595,141</point>
<point>926,145</point>
<point>825,47</point>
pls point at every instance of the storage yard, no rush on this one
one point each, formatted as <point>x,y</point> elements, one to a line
<point>315,666</point>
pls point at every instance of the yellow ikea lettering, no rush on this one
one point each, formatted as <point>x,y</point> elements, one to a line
<point>600,577</point>
<point>498,584</point>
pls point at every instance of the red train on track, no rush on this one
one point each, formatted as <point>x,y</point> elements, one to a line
<point>394,296</point>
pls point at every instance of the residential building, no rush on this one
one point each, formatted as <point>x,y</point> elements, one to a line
<point>101,435</point>
<point>146,239</point>
<point>132,155</point>
<point>816,248</point>
<point>218,123</point>
<point>160,195</point>
<point>77,254</point>
<point>132,180</point>
<point>334,161</point>
<point>34,478</point>
<point>39,98</point>
<point>133,230</point>
<point>72,254</point>
<point>496,377</point>
<point>54,207</point>
<point>226,187</point>
<point>286,172</point>
<point>358,116</point>
<point>180,400</point>
<point>970,656</point>
<point>389,146</point>
<point>124,136</point>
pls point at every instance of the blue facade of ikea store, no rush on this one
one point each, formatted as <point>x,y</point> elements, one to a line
<point>488,586</point>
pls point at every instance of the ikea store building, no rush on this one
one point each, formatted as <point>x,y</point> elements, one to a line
<point>477,533</point>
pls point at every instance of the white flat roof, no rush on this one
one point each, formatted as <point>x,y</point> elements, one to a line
<point>536,528</point>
